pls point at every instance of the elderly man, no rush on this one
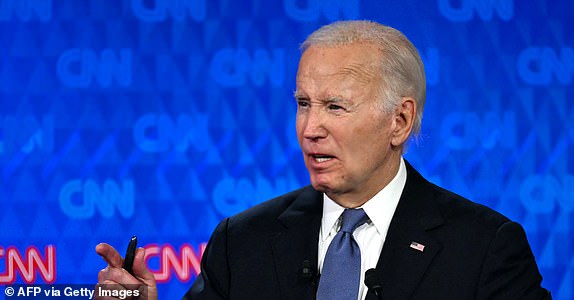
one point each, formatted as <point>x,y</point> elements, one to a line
<point>360,95</point>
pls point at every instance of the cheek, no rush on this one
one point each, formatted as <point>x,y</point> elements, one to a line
<point>299,129</point>
<point>371,139</point>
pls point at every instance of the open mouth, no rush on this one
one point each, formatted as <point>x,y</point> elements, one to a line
<point>321,157</point>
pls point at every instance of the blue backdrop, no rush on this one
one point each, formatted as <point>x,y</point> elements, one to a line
<point>161,117</point>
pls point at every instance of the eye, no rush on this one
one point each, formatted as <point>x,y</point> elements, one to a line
<point>335,107</point>
<point>303,103</point>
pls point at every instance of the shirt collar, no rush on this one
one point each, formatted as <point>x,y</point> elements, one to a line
<point>380,208</point>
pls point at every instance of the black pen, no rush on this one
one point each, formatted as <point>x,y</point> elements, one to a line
<point>130,255</point>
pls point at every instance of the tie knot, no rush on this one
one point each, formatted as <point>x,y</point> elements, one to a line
<point>353,218</point>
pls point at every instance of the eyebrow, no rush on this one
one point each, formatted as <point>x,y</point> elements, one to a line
<point>296,95</point>
<point>328,99</point>
<point>335,100</point>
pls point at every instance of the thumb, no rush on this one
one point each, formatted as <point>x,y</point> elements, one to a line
<point>140,269</point>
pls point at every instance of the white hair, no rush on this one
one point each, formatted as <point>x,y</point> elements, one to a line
<point>400,64</point>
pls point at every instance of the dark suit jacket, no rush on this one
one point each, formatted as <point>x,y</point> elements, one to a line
<point>471,251</point>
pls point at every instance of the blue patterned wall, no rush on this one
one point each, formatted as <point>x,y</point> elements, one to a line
<point>161,117</point>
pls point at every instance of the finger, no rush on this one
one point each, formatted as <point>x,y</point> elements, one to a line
<point>110,255</point>
<point>117,276</point>
<point>114,274</point>
<point>142,273</point>
<point>140,269</point>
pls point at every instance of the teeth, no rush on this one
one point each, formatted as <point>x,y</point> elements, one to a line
<point>322,159</point>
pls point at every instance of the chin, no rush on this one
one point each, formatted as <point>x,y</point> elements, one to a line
<point>319,186</point>
<point>322,185</point>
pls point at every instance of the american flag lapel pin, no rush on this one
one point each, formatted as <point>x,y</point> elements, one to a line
<point>417,246</point>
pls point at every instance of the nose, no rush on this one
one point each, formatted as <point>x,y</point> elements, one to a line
<point>313,125</point>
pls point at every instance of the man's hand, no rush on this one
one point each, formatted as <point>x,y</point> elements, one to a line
<point>114,277</point>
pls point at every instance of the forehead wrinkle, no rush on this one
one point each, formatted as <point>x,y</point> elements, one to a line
<point>361,73</point>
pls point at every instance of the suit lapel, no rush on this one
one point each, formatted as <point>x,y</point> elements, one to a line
<point>402,264</point>
<point>296,245</point>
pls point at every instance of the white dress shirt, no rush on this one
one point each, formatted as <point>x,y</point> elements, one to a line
<point>369,236</point>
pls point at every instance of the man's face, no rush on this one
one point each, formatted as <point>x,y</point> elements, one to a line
<point>344,135</point>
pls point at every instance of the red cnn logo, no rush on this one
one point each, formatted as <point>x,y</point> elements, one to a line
<point>28,265</point>
<point>185,265</point>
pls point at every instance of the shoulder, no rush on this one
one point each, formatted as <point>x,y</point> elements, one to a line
<point>453,209</point>
<point>266,213</point>
<point>275,206</point>
<point>478,245</point>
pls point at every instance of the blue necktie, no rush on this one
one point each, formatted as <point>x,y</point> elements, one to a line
<point>341,273</point>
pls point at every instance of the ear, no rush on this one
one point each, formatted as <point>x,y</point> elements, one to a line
<point>404,117</point>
